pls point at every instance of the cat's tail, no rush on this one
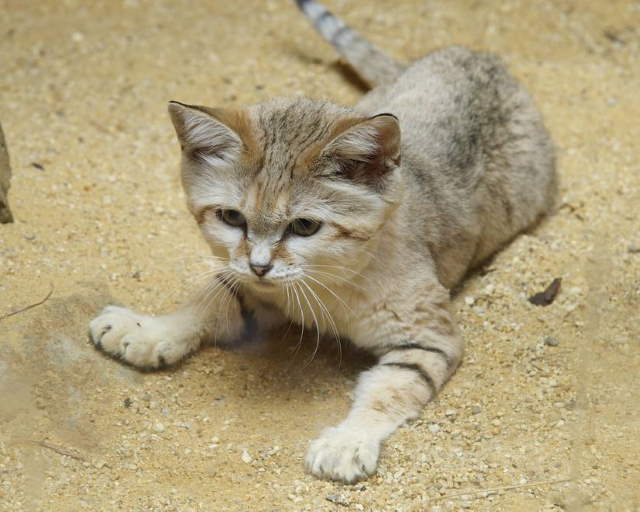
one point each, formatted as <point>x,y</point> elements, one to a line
<point>373,65</point>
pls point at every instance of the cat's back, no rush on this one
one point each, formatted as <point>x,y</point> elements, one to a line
<point>447,102</point>
<point>476,150</point>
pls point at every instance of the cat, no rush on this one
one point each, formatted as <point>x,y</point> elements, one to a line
<point>354,221</point>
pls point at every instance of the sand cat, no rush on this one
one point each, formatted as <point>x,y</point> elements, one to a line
<point>356,220</point>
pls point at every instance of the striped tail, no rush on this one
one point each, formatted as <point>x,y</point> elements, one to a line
<point>372,65</point>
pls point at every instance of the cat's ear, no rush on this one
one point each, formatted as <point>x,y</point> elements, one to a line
<point>368,150</point>
<point>204,133</point>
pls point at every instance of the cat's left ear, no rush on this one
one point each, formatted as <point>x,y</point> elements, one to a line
<point>368,150</point>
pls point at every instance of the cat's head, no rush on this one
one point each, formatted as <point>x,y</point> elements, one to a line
<point>289,189</point>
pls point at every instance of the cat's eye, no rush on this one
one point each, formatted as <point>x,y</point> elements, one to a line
<point>304,227</point>
<point>232,218</point>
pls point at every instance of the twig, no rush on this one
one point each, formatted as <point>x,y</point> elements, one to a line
<point>35,304</point>
<point>60,450</point>
<point>497,489</point>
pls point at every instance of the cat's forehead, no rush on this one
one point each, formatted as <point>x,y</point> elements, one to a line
<point>288,134</point>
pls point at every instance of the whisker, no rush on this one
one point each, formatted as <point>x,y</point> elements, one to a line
<point>288,309</point>
<point>315,320</point>
<point>216,266</point>
<point>330,291</point>
<point>343,280</point>
<point>367,279</point>
<point>227,305</point>
<point>302,324</point>
<point>205,297</point>
<point>325,311</point>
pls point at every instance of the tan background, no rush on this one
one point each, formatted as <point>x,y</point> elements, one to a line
<point>83,92</point>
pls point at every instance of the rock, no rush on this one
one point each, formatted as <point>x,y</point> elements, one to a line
<point>246,458</point>
<point>5,177</point>
<point>551,341</point>
<point>338,499</point>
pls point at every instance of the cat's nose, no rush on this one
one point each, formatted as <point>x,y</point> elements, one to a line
<point>260,270</point>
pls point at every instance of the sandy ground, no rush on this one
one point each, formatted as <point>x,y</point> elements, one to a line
<point>524,425</point>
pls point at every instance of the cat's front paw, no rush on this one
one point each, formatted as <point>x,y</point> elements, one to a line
<point>139,340</point>
<point>343,454</point>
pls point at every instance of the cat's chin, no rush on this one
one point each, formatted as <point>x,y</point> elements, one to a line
<point>264,286</point>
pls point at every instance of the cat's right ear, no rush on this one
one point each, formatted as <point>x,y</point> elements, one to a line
<point>202,135</point>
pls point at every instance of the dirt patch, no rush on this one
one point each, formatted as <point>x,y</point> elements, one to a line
<point>524,425</point>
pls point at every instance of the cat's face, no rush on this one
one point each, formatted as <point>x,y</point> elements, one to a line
<point>288,192</point>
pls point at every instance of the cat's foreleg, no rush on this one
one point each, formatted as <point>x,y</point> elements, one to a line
<point>409,374</point>
<point>156,341</point>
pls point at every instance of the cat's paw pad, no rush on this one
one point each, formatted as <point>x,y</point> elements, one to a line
<point>137,339</point>
<point>343,454</point>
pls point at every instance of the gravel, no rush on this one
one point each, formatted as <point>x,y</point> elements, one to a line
<point>92,111</point>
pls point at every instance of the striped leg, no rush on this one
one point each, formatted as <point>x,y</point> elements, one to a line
<point>407,377</point>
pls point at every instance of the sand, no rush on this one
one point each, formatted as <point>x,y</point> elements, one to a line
<point>525,424</point>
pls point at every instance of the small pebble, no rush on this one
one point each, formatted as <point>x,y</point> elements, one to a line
<point>551,341</point>
<point>246,458</point>
<point>338,499</point>
<point>434,428</point>
<point>158,427</point>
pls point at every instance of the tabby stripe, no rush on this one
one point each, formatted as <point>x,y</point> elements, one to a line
<point>414,367</point>
<point>337,35</point>
<point>326,14</point>
<point>417,346</point>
